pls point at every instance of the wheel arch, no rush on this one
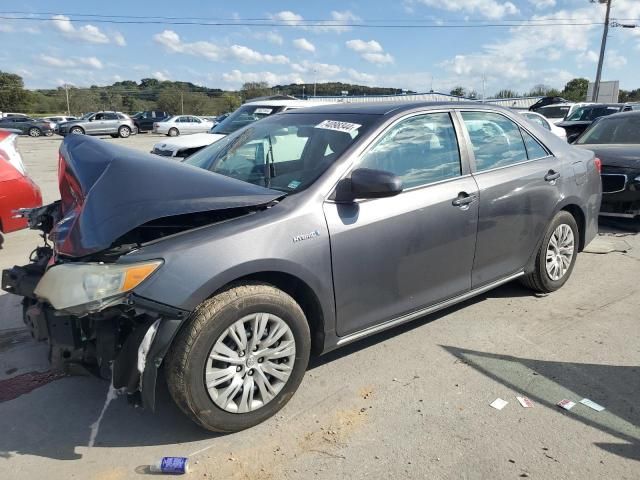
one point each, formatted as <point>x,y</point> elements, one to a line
<point>580,218</point>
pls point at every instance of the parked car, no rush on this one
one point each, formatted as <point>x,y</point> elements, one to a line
<point>116,124</point>
<point>555,113</point>
<point>302,232</point>
<point>545,123</point>
<point>220,118</point>
<point>578,120</point>
<point>182,125</point>
<point>248,113</point>
<point>616,141</point>
<point>27,125</point>
<point>17,190</point>
<point>59,119</point>
<point>544,101</point>
<point>144,120</point>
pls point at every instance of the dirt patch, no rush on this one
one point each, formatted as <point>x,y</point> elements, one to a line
<point>25,383</point>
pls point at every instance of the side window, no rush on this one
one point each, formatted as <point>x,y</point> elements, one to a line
<point>495,140</point>
<point>195,120</point>
<point>534,149</point>
<point>98,116</point>
<point>420,150</point>
<point>110,116</point>
<point>180,120</point>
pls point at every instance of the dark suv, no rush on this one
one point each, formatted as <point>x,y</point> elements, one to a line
<point>299,233</point>
<point>544,101</point>
<point>144,120</point>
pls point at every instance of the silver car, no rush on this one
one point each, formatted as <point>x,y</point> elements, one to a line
<point>116,124</point>
<point>297,234</point>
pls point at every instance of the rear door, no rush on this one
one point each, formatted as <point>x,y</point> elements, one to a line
<point>393,256</point>
<point>111,123</point>
<point>518,181</point>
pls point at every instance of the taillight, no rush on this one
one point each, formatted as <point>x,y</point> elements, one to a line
<point>598,163</point>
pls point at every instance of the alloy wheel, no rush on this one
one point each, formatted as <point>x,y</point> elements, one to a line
<point>560,250</point>
<point>250,363</point>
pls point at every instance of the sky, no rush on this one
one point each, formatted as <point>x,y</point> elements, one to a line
<point>312,41</point>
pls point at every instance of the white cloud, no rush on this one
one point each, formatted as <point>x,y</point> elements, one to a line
<point>370,51</point>
<point>161,76</point>
<point>88,33</point>
<point>316,68</point>
<point>5,28</point>
<point>493,9</point>
<point>57,62</point>
<point>119,39</point>
<point>304,44</point>
<point>615,60</point>
<point>91,62</point>
<point>236,78</point>
<point>543,3</point>
<point>172,42</point>
<point>337,24</point>
<point>271,37</point>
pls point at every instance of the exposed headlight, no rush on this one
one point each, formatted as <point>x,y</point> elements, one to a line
<point>91,285</point>
<point>637,179</point>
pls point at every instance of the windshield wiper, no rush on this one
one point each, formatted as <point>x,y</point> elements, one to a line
<point>269,166</point>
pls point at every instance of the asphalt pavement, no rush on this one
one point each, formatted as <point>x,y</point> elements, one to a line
<point>412,402</point>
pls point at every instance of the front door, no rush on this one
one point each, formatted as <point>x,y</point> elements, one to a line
<point>518,181</point>
<point>392,256</point>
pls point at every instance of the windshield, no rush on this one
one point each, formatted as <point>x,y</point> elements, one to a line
<point>242,117</point>
<point>86,115</point>
<point>623,130</point>
<point>285,152</point>
<point>553,112</point>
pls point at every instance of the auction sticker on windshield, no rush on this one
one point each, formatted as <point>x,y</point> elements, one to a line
<point>263,111</point>
<point>338,126</point>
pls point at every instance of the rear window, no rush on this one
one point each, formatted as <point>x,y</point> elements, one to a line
<point>244,116</point>
<point>553,112</point>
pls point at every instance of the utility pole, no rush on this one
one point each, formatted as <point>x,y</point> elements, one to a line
<point>182,103</point>
<point>596,85</point>
<point>66,91</point>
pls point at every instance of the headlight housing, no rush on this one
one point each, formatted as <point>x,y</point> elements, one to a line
<point>92,286</point>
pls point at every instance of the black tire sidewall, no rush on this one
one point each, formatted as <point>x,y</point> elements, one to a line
<point>561,218</point>
<point>211,416</point>
<point>34,129</point>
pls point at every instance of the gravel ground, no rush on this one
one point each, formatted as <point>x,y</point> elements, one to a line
<point>409,403</point>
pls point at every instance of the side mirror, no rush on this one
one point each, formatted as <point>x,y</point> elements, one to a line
<point>573,137</point>
<point>368,183</point>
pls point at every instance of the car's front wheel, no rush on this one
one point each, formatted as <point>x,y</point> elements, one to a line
<point>556,256</point>
<point>35,132</point>
<point>77,131</point>
<point>240,357</point>
<point>173,132</point>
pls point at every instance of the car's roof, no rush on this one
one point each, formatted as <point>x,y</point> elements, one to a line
<point>627,114</point>
<point>386,108</point>
<point>286,103</point>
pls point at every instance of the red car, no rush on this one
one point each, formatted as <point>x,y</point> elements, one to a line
<point>17,190</point>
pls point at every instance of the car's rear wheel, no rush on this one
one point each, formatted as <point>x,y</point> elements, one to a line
<point>240,357</point>
<point>124,132</point>
<point>173,132</point>
<point>77,131</point>
<point>556,256</point>
<point>35,132</point>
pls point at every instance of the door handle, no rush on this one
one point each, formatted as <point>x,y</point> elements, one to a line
<point>551,176</point>
<point>463,200</point>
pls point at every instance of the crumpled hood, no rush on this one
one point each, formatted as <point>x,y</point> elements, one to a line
<point>626,156</point>
<point>107,190</point>
<point>189,141</point>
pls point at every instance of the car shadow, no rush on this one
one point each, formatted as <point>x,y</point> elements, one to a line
<point>547,382</point>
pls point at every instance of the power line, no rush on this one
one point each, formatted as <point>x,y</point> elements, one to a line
<point>330,24</point>
<point>321,22</point>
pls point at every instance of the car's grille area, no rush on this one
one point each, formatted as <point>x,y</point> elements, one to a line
<point>162,153</point>
<point>613,182</point>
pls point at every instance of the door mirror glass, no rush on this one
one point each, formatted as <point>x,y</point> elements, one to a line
<point>573,137</point>
<point>368,183</point>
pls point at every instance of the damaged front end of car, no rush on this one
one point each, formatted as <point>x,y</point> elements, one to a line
<point>79,288</point>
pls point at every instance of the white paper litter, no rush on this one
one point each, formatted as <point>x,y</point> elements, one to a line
<point>525,402</point>
<point>499,403</point>
<point>591,404</point>
<point>566,404</point>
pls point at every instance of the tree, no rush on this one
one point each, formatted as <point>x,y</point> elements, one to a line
<point>576,89</point>
<point>458,91</point>
<point>255,89</point>
<point>13,96</point>
<point>506,93</point>
<point>229,102</point>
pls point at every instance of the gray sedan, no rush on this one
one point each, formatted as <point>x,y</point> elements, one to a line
<point>297,234</point>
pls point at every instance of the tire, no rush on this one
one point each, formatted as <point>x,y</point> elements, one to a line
<point>35,132</point>
<point>49,133</point>
<point>114,135</point>
<point>77,131</point>
<point>541,279</point>
<point>188,362</point>
<point>124,132</point>
<point>173,132</point>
